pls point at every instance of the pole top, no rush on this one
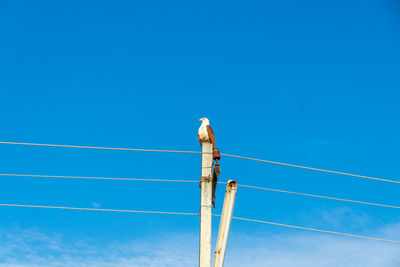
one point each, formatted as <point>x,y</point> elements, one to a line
<point>232,183</point>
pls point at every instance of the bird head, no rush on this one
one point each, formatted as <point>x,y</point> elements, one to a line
<point>205,120</point>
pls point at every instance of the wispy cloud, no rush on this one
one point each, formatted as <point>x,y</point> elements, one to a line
<point>33,248</point>
<point>307,249</point>
<point>96,205</point>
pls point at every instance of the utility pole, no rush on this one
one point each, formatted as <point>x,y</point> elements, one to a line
<point>206,201</point>
<point>225,223</point>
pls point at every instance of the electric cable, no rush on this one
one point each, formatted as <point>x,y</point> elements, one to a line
<point>316,230</point>
<point>192,181</point>
<point>196,214</point>
<point>319,196</point>
<point>97,178</point>
<point>197,152</point>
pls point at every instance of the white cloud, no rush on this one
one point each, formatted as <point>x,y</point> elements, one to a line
<point>294,248</point>
<point>23,248</point>
<point>307,249</point>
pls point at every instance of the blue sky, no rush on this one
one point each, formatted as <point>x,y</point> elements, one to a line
<point>305,82</point>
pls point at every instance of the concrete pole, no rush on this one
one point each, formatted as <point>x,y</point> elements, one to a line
<point>206,201</point>
<point>225,223</point>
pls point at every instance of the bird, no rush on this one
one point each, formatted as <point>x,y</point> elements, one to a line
<point>205,133</point>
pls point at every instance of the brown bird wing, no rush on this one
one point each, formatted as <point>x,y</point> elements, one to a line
<point>211,135</point>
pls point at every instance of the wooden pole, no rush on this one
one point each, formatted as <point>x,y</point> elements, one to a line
<point>206,202</point>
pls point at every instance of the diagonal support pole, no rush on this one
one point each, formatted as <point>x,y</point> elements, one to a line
<point>225,223</point>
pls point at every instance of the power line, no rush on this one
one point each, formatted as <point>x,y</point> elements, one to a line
<point>96,209</point>
<point>97,178</point>
<point>102,148</point>
<point>197,152</point>
<point>195,214</point>
<point>318,196</point>
<point>317,230</point>
<point>192,181</point>
<point>311,168</point>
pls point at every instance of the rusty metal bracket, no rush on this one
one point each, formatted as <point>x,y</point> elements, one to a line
<point>205,179</point>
